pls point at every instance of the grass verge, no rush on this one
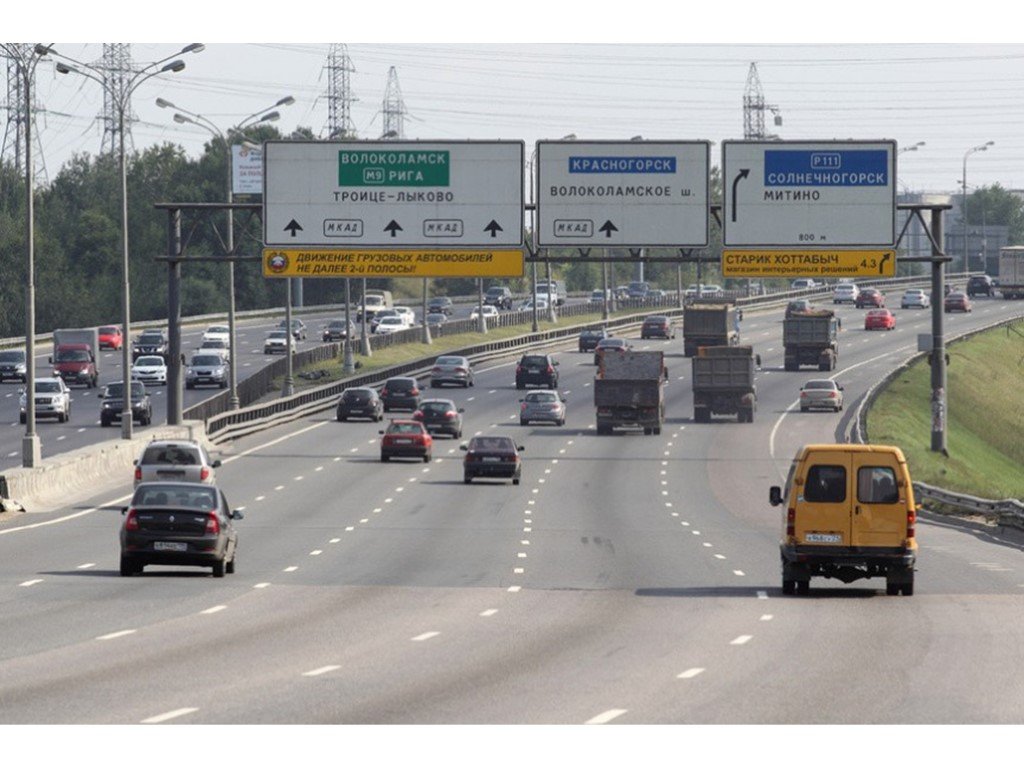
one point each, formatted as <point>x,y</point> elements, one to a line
<point>985,425</point>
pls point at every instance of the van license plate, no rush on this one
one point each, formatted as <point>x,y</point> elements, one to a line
<point>824,538</point>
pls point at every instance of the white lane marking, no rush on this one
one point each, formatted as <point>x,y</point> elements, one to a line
<point>739,573</point>
<point>291,569</point>
<point>114,635</point>
<point>742,640</point>
<point>316,552</point>
<point>350,528</point>
<point>261,585</point>
<point>169,715</point>
<point>720,557</point>
<point>521,555</point>
<point>318,469</point>
<point>62,437</point>
<point>489,612</point>
<point>377,509</point>
<point>527,529</point>
<point>321,670</point>
<point>335,541</point>
<point>214,609</point>
<point>425,636</point>
<point>300,477</point>
<point>606,717</point>
<point>525,542</point>
<point>690,673</point>
<point>519,571</point>
<point>83,566</point>
<point>260,498</point>
<point>767,617</point>
<point>30,583</point>
<point>514,589</point>
<point>491,391</point>
<point>82,429</point>
<point>279,488</point>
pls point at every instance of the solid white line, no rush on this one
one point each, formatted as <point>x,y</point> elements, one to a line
<point>425,636</point>
<point>690,673</point>
<point>742,640</point>
<point>114,635</point>
<point>606,717</point>
<point>767,617</point>
<point>169,715</point>
<point>321,670</point>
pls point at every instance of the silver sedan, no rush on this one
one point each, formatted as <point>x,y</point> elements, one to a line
<point>821,393</point>
<point>542,405</point>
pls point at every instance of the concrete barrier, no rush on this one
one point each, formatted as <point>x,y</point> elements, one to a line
<point>84,471</point>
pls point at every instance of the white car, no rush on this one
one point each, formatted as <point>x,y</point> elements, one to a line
<point>216,347</point>
<point>407,314</point>
<point>490,312</point>
<point>703,291</point>
<point>391,324</point>
<point>217,333</point>
<point>277,341</point>
<point>150,369</point>
<point>542,305</point>
<point>52,398</point>
<point>915,297</point>
<point>845,292</point>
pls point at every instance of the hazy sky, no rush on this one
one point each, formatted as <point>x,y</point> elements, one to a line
<point>951,96</point>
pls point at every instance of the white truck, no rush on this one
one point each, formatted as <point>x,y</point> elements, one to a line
<point>1011,272</point>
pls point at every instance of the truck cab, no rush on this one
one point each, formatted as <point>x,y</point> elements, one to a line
<point>75,364</point>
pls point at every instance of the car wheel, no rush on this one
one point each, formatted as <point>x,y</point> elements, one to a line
<point>561,422</point>
<point>230,567</point>
<point>22,418</point>
<point>467,479</point>
<point>218,569</point>
<point>523,422</point>
<point>515,481</point>
<point>341,418</point>
<point>803,587</point>
<point>803,409</point>
<point>385,457</point>
<point>788,587</point>
<point>426,459</point>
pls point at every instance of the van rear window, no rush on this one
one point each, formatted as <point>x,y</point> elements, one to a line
<point>877,485</point>
<point>826,483</point>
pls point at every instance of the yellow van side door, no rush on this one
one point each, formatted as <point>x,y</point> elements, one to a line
<point>824,500</point>
<point>880,505</point>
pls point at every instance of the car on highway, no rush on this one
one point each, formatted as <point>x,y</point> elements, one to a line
<point>499,296</point>
<point>406,438</point>
<point>217,333</point>
<point>869,297</point>
<point>589,337</point>
<point>441,304</point>
<point>391,324</point>
<point>361,402</point>
<point>75,364</point>
<point>215,347</point>
<point>451,369</point>
<point>440,416</point>
<point>150,369</point>
<point>13,365</point>
<point>400,393</point>
<point>657,327</point>
<point>492,456</point>
<point>638,289</point>
<point>702,291</point>
<point>380,314</point>
<point>821,393</point>
<point>879,319</point>
<point>113,403</point>
<point>338,330</point>
<point>407,314</point>
<point>52,398</point>
<point>542,405</point>
<point>153,342</point>
<point>276,341</point>
<point>915,298</point>
<point>600,296</point>
<point>178,524</point>
<point>206,368</point>
<point>436,318</point>
<point>797,306</point>
<point>489,312</point>
<point>845,292</point>
<point>610,345</point>
<point>110,337</point>
<point>980,285</point>
<point>537,369</point>
<point>298,328</point>
<point>527,306</point>
<point>184,461</point>
<point>803,283</point>
<point>956,302</point>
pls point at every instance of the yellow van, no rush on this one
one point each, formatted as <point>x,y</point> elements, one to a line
<point>849,515</point>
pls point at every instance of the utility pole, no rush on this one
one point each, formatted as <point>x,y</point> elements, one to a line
<point>18,128</point>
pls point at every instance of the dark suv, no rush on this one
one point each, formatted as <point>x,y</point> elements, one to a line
<point>151,343</point>
<point>589,338</point>
<point>537,369</point>
<point>980,285</point>
<point>400,392</point>
<point>498,296</point>
<point>440,304</point>
<point>113,403</point>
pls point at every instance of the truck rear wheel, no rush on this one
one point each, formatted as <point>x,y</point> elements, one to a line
<point>791,365</point>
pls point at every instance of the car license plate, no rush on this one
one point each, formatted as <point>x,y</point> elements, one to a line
<point>170,546</point>
<point>491,459</point>
<point>403,441</point>
<point>824,538</point>
<point>355,410</point>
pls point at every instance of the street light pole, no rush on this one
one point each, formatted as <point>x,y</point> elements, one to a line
<point>121,98</point>
<point>963,205</point>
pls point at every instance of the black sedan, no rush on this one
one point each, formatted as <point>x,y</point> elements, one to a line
<point>178,524</point>
<point>440,416</point>
<point>589,338</point>
<point>492,456</point>
<point>361,402</point>
<point>657,326</point>
<point>338,330</point>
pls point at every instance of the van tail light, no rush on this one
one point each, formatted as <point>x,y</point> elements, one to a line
<point>204,473</point>
<point>911,520</point>
<point>138,473</point>
<point>131,522</point>
<point>212,523</point>
<point>791,522</point>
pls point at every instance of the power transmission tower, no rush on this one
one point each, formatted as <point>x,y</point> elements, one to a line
<point>18,112</point>
<point>117,71</point>
<point>754,107</point>
<point>339,93</point>
<point>394,108</point>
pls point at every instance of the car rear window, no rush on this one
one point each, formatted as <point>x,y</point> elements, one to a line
<point>155,495</point>
<point>818,385</point>
<point>357,396</point>
<point>492,444</point>
<point>826,483</point>
<point>171,454</point>
<point>438,407</point>
<point>541,397</point>
<point>449,361</point>
<point>405,429</point>
<point>877,485</point>
<point>535,360</point>
<point>401,385</point>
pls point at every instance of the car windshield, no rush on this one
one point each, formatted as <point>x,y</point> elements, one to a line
<point>72,356</point>
<point>534,360</point>
<point>336,324</point>
<point>207,360</point>
<point>217,329</point>
<point>178,496</point>
<point>151,338</point>
<point>12,357</point>
<point>541,397</point>
<point>496,444</point>
<point>47,386</point>
<point>214,344</point>
<point>611,343</point>
<point>148,360</point>
<point>819,385</point>
<point>656,320</point>
<point>391,321</point>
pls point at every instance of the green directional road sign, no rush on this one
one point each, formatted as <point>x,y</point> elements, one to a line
<point>401,168</point>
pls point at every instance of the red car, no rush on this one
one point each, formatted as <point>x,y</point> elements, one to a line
<point>870,297</point>
<point>110,337</point>
<point>879,319</point>
<point>408,439</point>
<point>957,301</point>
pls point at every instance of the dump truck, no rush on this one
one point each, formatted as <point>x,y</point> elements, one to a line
<point>1011,272</point>
<point>810,339</point>
<point>723,383</point>
<point>709,325</point>
<point>629,391</point>
<point>76,355</point>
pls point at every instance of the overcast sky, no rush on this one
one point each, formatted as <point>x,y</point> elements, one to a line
<point>952,97</point>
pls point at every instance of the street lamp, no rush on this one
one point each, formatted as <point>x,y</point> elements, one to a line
<point>963,204</point>
<point>120,97</point>
<point>261,116</point>
<point>911,148</point>
<point>25,61</point>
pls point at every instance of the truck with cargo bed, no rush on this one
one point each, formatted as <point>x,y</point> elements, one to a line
<point>810,338</point>
<point>76,354</point>
<point>1011,272</point>
<point>709,325</point>
<point>629,391</point>
<point>723,383</point>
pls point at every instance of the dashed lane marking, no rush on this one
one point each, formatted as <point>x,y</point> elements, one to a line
<point>606,717</point>
<point>173,714</point>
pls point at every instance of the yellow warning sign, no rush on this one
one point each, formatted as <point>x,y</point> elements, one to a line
<point>816,263</point>
<point>320,262</point>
